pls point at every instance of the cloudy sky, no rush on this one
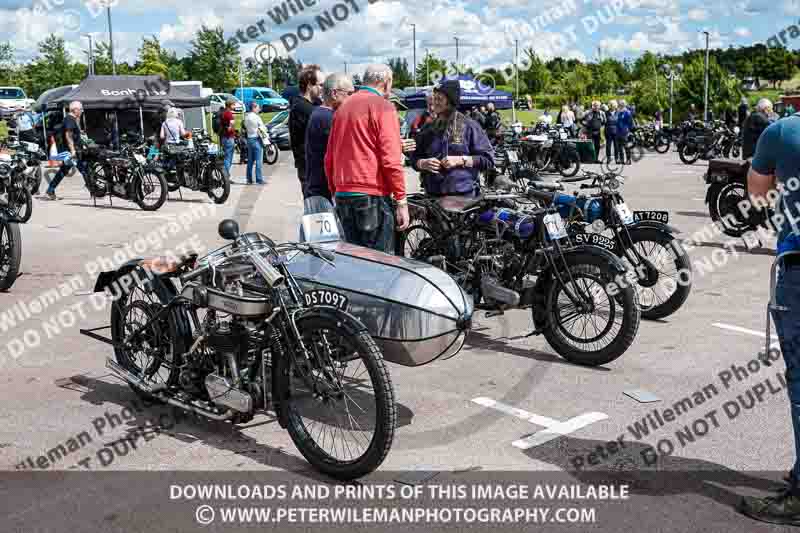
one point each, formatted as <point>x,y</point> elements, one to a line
<point>487,29</point>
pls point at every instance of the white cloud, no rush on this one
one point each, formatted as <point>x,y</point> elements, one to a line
<point>742,32</point>
<point>697,14</point>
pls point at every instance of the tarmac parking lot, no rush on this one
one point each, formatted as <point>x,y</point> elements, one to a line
<point>689,395</point>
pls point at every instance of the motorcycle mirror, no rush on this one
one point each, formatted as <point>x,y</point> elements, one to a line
<point>229,229</point>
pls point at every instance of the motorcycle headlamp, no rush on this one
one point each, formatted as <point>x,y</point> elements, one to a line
<point>5,170</point>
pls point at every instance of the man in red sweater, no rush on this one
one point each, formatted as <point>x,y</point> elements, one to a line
<point>364,164</point>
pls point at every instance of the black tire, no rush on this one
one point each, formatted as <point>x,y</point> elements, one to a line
<point>359,347</point>
<point>20,202</point>
<point>10,253</point>
<point>150,189</point>
<point>271,153</point>
<point>570,164</point>
<point>131,304</point>
<point>623,303</point>
<point>662,144</point>
<point>408,242</point>
<point>96,181</point>
<point>219,185</point>
<point>723,199</point>
<point>688,155</point>
<point>659,248</point>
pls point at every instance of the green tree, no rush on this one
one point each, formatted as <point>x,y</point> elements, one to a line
<point>214,59</point>
<point>537,78</point>
<point>150,58</point>
<point>430,65</point>
<point>576,83</point>
<point>780,66</point>
<point>723,89</point>
<point>605,78</point>
<point>401,77</point>
<point>53,67</point>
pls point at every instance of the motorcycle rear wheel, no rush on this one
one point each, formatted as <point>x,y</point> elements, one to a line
<point>723,200</point>
<point>662,144</point>
<point>10,253</point>
<point>313,387</point>
<point>219,186</point>
<point>271,153</point>
<point>570,164</point>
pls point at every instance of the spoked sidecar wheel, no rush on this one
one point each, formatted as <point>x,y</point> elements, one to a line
<point>10,253</point>
<point>340,405</point>
<point>597,336</point>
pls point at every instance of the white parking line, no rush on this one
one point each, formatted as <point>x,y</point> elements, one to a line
<point>553,428</point>
<point>752,332</point>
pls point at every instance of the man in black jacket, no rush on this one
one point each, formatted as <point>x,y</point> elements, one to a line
<point>754,125</point>
<point>302,106</point>
<point>493,123</point>
<point>744,109</point>
<point>594,121</point>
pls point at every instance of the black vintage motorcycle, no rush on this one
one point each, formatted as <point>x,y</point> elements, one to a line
<point>19,175</point>
<point>643,239</point>
<point>710,143</point>
<point>198,168</point>
<point>493,244</point>
<point>125,174</point>
<point>10,249</point>
<point>231,335</point>
<point>556,154</point>
<point>727,187</point>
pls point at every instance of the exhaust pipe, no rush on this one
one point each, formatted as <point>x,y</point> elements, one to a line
<point>138,382</point>
<point>491,289</point>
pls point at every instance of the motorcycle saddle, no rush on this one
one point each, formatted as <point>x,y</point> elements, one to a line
<point>457,204</point>
<point>734,166</point>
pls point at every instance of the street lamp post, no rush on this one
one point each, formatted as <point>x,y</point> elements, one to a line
<point>111,42</point>
<point>428,66</point>
<point>516,76</point>
<point>705,90</point>
<point>671,72</point>
<point>456,38</point>
<point>91,54</point>
<point>414,27</point>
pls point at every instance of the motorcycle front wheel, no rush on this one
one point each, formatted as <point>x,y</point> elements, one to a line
<point>219,186</point>
<point>662,144</point>
<point>150,190</point>
<point>570,164</point>
<point>10,253</point>
<point>723,206</point>
<point>339,406</point>
<point>688,154</point>
<point>661,289</point>
<point>20,202</point>
<point>271,154</point>
<point>599,334</point>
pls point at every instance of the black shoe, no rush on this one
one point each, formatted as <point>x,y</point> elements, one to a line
<point>781,509</point>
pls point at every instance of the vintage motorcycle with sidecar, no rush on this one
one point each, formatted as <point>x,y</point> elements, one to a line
<point>302,329</point>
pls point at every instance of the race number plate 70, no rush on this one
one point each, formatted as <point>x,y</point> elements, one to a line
<point>555,226</point>
<point>320,227</point>
<point>326,297</point>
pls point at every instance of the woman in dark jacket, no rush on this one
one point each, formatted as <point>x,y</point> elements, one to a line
<point>453,149</point>
<point>611,132</point>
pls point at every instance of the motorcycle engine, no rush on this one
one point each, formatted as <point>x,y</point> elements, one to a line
<point>491,270</point>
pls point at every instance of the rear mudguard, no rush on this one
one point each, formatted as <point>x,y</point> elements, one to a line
<point>660,226</point>
<point>584,254</point>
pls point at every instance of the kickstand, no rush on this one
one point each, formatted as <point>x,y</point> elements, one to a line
<point>772,306</point>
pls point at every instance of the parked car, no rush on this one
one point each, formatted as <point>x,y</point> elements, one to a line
<point>278,120</point>
<point>218,101</point>
<point>268,99</point>
<point>13,100</point>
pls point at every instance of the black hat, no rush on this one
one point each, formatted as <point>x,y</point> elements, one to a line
<point>452,90</point>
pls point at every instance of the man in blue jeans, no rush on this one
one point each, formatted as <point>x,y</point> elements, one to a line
<point>776,165</point>
<point>228,134</point>
<point>71,142</point>
<point>255,148</point>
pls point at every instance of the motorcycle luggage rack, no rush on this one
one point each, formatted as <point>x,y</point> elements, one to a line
<point>772,306</point>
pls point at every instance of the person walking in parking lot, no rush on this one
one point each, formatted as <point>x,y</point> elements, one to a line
<point>776,163</point>
<point>255,148</point>
<point>754,126</point>
<point>364,164</point>
<point>624,127</point>
<point>72,144</point>
<point>302,106</point>
<point>228,134</point>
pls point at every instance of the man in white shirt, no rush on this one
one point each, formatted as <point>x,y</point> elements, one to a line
<point>255,148</point>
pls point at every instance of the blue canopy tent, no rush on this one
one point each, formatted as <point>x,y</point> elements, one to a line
<point>473,93</point>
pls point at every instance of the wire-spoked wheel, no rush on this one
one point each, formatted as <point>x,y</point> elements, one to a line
<point>10,253</point>
<point>340,408</point>
<point>598,327</point>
